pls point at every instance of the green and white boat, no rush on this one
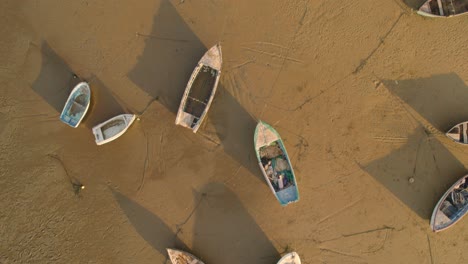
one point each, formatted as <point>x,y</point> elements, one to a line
<point>275,164</point>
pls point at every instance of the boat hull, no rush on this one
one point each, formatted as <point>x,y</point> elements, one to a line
<point>290,258</point>
<point>200,90</point>
<point>443,8</point>
<point>444,218</point>
<point>181,257</point>
<point>459,133</point>
<point>77,105</point>
<point>275,164</point>
<point>113,128</point>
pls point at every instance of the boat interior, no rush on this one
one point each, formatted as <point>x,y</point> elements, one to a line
<point>454,205</point>
<point>113,128</point>
<point>448,7</point>
<point>459,133</point>
<point>200,92</point>
<point>276,166</point>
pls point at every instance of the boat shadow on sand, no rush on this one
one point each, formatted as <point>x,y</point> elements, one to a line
<point>172,51</point>
<point>150,227</point>
<point>414,4</point>
<point>233,128</point>
<point>224,232</point>
<point>170,54</point>
<point>423,158</point>
<point>104,104</point>
<point>441,101</point>
<point>55,80</point>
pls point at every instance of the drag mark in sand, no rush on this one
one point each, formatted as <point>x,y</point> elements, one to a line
<point>339,252</point>
<point>145,164</point>
<point>180,226</point>
<point>262,52</point>
<point>381,42</point>
<point>340,211</point>
<point>430,250</point>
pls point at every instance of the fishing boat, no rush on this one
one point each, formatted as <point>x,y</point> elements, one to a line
<point>200,90</point>
<point>290,258</point>
<point>275,164</point>
<point>451,207</point>
<point>459,133</point>
<point>112,128</point>
<point>77,105</point>
<point>443,8</point>
<point>182,257</point>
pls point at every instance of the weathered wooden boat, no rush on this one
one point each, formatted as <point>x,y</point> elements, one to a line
<point>443,8</point>
<point>112,128</point>
<point>77,105</point>
<point>290,258</point>
<point>200,90</point>
<point>275,164</point>
<point>182,257</point>
<point>459,133</point>
<point>451,207</point>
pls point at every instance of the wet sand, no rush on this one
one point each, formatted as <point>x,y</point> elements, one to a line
<point>359,90</point>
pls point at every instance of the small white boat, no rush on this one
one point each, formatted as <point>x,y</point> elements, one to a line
<point>112,128</point>
<point>182,257</point>
<point>77,105</point>
<point>200,90</point>
<point>451,207</point>
<point>275,164</point>
<point>458,133</point>
<point>443,8</point>
<point>290,258</point>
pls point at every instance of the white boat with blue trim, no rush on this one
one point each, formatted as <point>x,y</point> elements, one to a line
<point>77,105</point>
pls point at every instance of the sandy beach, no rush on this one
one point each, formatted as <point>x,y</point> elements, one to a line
<point>361,92</point>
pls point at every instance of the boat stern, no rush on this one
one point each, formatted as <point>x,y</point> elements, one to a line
<point>98,136</point>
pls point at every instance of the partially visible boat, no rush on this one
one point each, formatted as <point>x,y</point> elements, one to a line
<point>459,133</point>
<point>451,207</point>
<point>112,128</point>
<point>77,105</point>
<point>275,164</point>
<point>290,258</point>
<point>443,8</point>
<point>182,257</point>
<point>200,90</point>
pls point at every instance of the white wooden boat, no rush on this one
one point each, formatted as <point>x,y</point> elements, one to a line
<point>443,8</point>
<point>290,258</point>
<point>77,105</point>
<point>182,257</point>
<point>459,133</point>
<point>112,128</point>
<point>451,207</point>
<point>200,90</point>
<point>275,164</point>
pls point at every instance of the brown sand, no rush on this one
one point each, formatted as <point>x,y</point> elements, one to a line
<point>359,90</point>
